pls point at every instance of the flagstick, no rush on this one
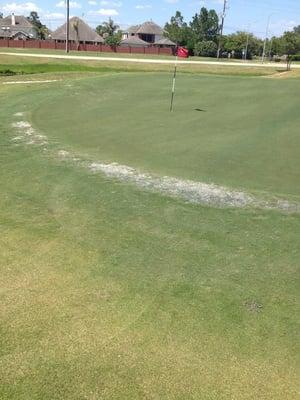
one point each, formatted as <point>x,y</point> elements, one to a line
<point>174,84</point>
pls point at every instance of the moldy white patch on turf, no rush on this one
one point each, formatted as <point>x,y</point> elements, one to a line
<point>191,191</point>
<point>194,192</point>
<point>29,134</point>
<point>63,154</point>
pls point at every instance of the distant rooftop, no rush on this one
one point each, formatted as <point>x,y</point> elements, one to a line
<point>165,42</point>
<point>20,21</point>
<point>147,28</point>
<point>79,31</point>
<point>134,41</point>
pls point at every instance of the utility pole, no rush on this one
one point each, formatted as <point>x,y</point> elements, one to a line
<point>68,26</point>
<point>247,45</point>
<point>222,27</point>
<point>270,50</point>
<point>266,38</point>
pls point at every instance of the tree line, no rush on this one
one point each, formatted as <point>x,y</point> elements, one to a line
<point>202,37</point>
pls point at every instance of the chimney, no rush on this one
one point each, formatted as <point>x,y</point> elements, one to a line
<point>13,19</point>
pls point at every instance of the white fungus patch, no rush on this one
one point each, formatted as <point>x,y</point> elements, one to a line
<point>191,191</point>
<point>17,138</point>
<point>63,154</point>
<point>196,192</point>
<point>21,125</point>
<point>29,134</point>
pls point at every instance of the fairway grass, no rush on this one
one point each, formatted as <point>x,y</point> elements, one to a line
<point>20,64</point>
<point>112,292</point>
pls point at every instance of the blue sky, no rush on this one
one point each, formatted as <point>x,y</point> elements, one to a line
<point>241,14</point>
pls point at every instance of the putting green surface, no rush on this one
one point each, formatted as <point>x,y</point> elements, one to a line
<point>241,132</point>
<point>112,292</point>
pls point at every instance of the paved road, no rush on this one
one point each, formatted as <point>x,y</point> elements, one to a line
<point>151,60</point>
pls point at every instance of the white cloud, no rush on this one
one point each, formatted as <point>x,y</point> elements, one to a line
<point>92,3</point>
<point>73,4</point>
<point>107,3</point>
<point>20,8</point>
<point>172,1</point>
<point>105,12</point>
<point>143,6</point>
<point>53,15</point>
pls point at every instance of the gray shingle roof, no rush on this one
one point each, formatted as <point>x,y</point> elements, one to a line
<point>165,42</point>
<point>22,24</point>
<point>79,31</point>
<point>150,28</point>
<point>134,41</point>
<point>133,29</point>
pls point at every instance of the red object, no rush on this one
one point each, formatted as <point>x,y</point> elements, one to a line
<point>182,52</point>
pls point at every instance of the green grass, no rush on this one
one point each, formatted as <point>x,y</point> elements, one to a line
<point>237,140</point>
<point>110,292</point>
<point>25,65</point>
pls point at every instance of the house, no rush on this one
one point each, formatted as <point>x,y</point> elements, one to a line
<point>80,33</point>
<point>134,41</point>
<point>165,42</point>
<point>148,32</point>
<point>17,27</point>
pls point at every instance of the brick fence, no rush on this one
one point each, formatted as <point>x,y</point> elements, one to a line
<point>53,45</point>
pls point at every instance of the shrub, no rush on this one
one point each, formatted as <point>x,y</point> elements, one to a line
<point>206,49</point>
<point>296,57</point>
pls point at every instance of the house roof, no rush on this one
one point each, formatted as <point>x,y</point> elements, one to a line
<point>134,41</point>
<point>12,34</point>
<point>147,28</point>
<point>165,42</point>
<point>21,22</point>
<point>7,30</point>
<point>150,28</point>
<point>133,29</point>
<point>79,31</point>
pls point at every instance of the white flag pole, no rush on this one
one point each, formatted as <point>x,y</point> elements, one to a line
<point>174,84</point>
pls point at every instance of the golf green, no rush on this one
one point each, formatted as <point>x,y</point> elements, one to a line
<point>236,131</point>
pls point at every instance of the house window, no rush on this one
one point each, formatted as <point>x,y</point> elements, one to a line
<point>147,37</point>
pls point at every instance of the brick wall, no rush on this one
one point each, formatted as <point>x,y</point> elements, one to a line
<point>53,45</point>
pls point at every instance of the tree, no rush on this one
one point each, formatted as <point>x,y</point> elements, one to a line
<point>108,28</point>
<point>110,32</point>
<point>1,15</point>
<point>291,45</point>
<point>177,30</point>
<point>277,46</point>
<point>237,43</point>
<point>115,39</point>
<point>297,30</point>
<point>206,49</point>
<point>41,30</point>
<point>291,42</point>
<point>205,26</point>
